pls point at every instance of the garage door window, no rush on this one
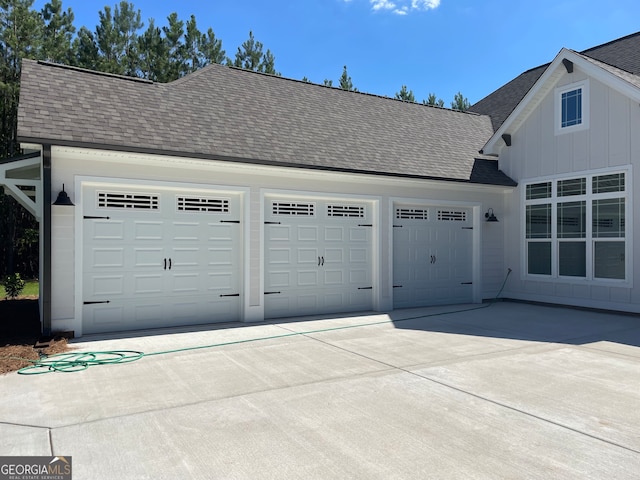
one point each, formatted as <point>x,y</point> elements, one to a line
<point>202,204</point>
<point>133,201</point>
<point>293,208</point>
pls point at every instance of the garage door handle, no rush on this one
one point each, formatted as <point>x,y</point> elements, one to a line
<point>323,261</point>
<point>169,264</point>
<point>165,263</point>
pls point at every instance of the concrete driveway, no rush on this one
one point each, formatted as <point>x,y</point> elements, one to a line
<point>511,391</point>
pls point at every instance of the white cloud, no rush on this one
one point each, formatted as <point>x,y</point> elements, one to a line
<point>425,4</point>
<point>402,7</point>
<point>382,5</point>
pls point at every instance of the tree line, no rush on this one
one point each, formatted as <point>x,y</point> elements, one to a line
<point>120,44</point>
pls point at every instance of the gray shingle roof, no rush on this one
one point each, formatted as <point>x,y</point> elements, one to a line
<point>622,53</point>
<point>230,114</point>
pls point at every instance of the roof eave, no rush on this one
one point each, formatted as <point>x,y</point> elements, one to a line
<point>150,151</point>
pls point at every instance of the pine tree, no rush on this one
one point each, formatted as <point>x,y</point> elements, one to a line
<point>345,81</point>
<point>405,95</point>
<point>250,57</point>
<point>58,31</point>
<point>433,100</point>
<point>460,102</point>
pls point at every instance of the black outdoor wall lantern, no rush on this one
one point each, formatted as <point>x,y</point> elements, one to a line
<point>490,216</point>
<point>63,199</point>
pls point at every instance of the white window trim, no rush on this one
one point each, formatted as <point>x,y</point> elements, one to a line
<point>584,125</point>
<point>589,279</point>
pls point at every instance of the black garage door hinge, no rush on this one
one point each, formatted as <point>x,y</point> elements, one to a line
<point>96,302</point>
<point>397,286</point>
<point>229,221</point>
<point>467,228</point>
<point>230,295</point>
<point>272,223</point>
<point>89,217</point>
<point>397,226</point>
<point>271,293</point>
<point>365,288</point>
<point>365,224</point>
<point>466,283</point>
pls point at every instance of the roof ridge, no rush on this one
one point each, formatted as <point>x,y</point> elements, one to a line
<point>610,42</point>
<point>302,82</point>
<point>94,72</point>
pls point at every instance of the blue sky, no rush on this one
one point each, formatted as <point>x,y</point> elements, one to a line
<point>439,46</point>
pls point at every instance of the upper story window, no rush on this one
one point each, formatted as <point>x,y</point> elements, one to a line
<point>572,107</point>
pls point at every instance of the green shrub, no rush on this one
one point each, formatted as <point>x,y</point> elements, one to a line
<point>13,285</point>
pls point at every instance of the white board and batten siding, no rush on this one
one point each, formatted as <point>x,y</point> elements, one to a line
<point>159,257</point>
<point>318,256</point>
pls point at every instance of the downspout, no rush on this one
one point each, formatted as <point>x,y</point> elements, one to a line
<point>46,241</point>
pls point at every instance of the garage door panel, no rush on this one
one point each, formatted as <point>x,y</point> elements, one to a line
<point>334,234</point>
<point>359,234</point>
<point>186,283</point>
<point>221,257</point>
<point>147,257</point>
<point>359,277</point>
<point>144,230</point>
<point>108,285</point>
<point>307,256</point>
<point>279,279</point>
<point>333,277</point>
<point>307,233</point>
<point>106,258</point>
<point>220,282</point>
<point>280,233</point>
<point>307,278</point>
<point>334,255</point>
<point>109,315</point>
<point>186,232</point>
<point>279,256</point>
<point>107,229</point>
<point>148,284</point>
<point>359,255</point>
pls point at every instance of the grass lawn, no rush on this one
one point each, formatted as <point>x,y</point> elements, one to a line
<point>31,290</point>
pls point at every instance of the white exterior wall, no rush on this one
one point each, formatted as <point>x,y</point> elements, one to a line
<point>73,166</point>
<point>611,141</point>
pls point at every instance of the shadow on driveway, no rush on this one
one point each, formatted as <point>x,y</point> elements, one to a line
<point>524,321</point>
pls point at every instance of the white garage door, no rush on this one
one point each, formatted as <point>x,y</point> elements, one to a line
<point>154,258</point>
<point>432,256</point>
<point>317,257</point>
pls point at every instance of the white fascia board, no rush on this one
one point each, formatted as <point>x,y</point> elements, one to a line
<point>546,83</point>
